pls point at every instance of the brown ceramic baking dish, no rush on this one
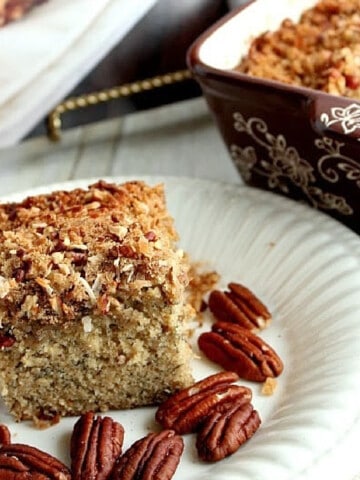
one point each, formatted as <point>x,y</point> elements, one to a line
<point>296,141</point>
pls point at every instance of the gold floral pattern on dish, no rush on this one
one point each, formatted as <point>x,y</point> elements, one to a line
<point>334,160</point>
<point>285,166</point>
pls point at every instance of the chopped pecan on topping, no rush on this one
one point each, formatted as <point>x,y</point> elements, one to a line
<point>20,273</point>
<point>114,252</point>
<point>151,236</point>
<point>352,81</point>
<point>20,252</point>
<point>126,251</point>
<point>109,187</point>
<point>79,258</point>
<point>6,340</point>
<point>59,245</point>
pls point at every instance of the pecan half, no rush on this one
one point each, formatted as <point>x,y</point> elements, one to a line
<point>186,410</point>
<point>154,457</point>
<point>96,443</point>
<point>224,432</point>
<point>237,349</point>
<point>22,462</point>
<point>5,435</point>
<point>241,306</point>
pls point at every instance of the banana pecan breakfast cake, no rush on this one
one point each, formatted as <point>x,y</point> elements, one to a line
<point>93,303</point>
<point>320,51</point>
<point>11,10</point>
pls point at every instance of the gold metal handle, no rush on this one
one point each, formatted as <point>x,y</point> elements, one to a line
<point>54,123</point>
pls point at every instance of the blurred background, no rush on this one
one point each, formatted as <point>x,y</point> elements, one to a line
<point>156,45</point>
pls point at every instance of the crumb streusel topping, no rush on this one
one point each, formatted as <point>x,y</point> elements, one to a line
<point>320,51</point>
<point>64,254</point>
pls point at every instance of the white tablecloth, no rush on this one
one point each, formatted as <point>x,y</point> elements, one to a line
<point>46,54</point>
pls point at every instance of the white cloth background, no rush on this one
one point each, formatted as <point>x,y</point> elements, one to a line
<point>43,56</point>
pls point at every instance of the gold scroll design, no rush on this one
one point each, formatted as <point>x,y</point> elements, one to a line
<point>334,162</point>
<point>285,165</point>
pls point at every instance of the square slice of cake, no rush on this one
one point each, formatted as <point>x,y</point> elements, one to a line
<point>93,309</point>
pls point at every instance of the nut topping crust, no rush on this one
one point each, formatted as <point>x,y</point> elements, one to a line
<point>223,433</point>
<point>154,457</point>
<point>56,247</point>
<point>96,443</point>
<point>237,349</point>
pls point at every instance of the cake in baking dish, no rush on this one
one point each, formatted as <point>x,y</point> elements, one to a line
<point>11,10</point>
<point>93,309</point>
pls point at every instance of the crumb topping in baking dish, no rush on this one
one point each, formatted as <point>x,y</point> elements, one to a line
<point>320,51</point>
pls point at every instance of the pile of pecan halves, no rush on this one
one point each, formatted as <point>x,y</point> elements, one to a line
<point>216,409</point>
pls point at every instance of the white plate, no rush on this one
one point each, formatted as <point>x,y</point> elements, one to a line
<point>45,54</point>
<point>306,267</point>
